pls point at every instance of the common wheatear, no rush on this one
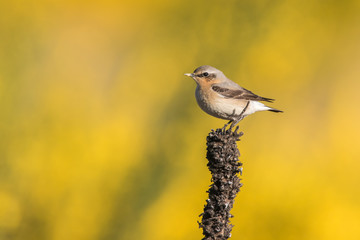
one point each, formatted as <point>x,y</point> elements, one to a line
<point>222,98</point>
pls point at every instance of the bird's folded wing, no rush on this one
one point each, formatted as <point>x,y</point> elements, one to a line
<point>240,93</point>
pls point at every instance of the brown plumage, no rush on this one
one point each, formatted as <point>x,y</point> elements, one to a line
<point>240,94</point>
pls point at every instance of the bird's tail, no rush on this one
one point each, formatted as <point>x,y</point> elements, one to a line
<point>274,110</point>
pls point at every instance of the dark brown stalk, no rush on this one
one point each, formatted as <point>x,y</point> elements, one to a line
<point>224,165</point>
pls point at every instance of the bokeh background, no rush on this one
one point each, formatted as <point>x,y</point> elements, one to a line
<point>101,136</point>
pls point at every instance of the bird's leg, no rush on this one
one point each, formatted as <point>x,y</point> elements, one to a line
<point>241,116</point>
<point>224,128</point>
<point>231,121</point>
<point>236,122</point>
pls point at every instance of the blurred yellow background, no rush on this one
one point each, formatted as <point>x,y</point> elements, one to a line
<point>101,136</point>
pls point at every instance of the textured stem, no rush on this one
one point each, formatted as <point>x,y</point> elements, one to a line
<point>224,165</point>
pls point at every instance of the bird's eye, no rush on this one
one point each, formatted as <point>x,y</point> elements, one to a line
<point>205,74</point>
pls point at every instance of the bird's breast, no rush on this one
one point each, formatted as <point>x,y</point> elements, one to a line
<point>203,99</point>
<point>209,102</point>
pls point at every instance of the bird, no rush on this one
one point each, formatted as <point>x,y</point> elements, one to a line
<point>222,98</point>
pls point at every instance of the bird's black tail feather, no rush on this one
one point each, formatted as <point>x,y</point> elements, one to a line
<point>275,110</point>
<point>266,99</point>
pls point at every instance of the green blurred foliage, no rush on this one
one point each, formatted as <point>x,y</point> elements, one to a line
<point>101,137</point>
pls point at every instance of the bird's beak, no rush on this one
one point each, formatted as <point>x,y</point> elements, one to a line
<point>189,74</point>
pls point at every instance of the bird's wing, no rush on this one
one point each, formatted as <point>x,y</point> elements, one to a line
<point>238,93</point>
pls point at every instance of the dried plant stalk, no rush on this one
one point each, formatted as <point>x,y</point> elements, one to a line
<point>224,165</point>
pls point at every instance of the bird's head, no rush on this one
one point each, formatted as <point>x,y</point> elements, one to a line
<point>206,75</point>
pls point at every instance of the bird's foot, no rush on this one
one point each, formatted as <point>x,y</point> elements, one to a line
<point>225,126</point>
<point>233,124</point>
